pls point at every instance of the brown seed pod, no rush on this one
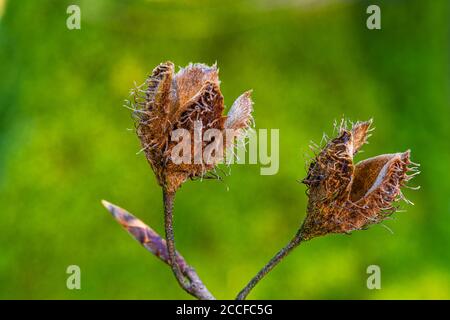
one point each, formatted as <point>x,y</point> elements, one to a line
<point>343,196</point>
<point>168,101</point>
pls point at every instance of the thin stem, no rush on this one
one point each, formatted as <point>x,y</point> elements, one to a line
<point>270,265</point>
<point>168,199</point>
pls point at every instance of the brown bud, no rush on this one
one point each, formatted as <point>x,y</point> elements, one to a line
<point>168,101</point>
<point>344,197</point>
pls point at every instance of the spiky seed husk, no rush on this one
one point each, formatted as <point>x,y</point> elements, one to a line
<point>344,197</point>
<point>171,101</point>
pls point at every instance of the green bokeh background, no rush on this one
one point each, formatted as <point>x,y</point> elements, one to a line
<point>64,145</point>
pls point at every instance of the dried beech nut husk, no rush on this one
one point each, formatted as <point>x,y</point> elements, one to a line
<point>168,101</point>
<point>344,197</point>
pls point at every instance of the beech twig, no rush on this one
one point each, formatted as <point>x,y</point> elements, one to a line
<point>343,196</point>
<point>157,245</point>
<point>270,265</point>
<point>168,198</point>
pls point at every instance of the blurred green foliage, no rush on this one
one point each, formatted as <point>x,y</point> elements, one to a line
<point>64,145</point>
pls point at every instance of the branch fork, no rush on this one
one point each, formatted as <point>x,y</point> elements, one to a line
<point>153,242</point>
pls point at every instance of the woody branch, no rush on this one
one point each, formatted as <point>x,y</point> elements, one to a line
<point>157,246</point>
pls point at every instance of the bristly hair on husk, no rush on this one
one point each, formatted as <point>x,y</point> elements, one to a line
<point>168,101</point>
<point>344,196</point>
